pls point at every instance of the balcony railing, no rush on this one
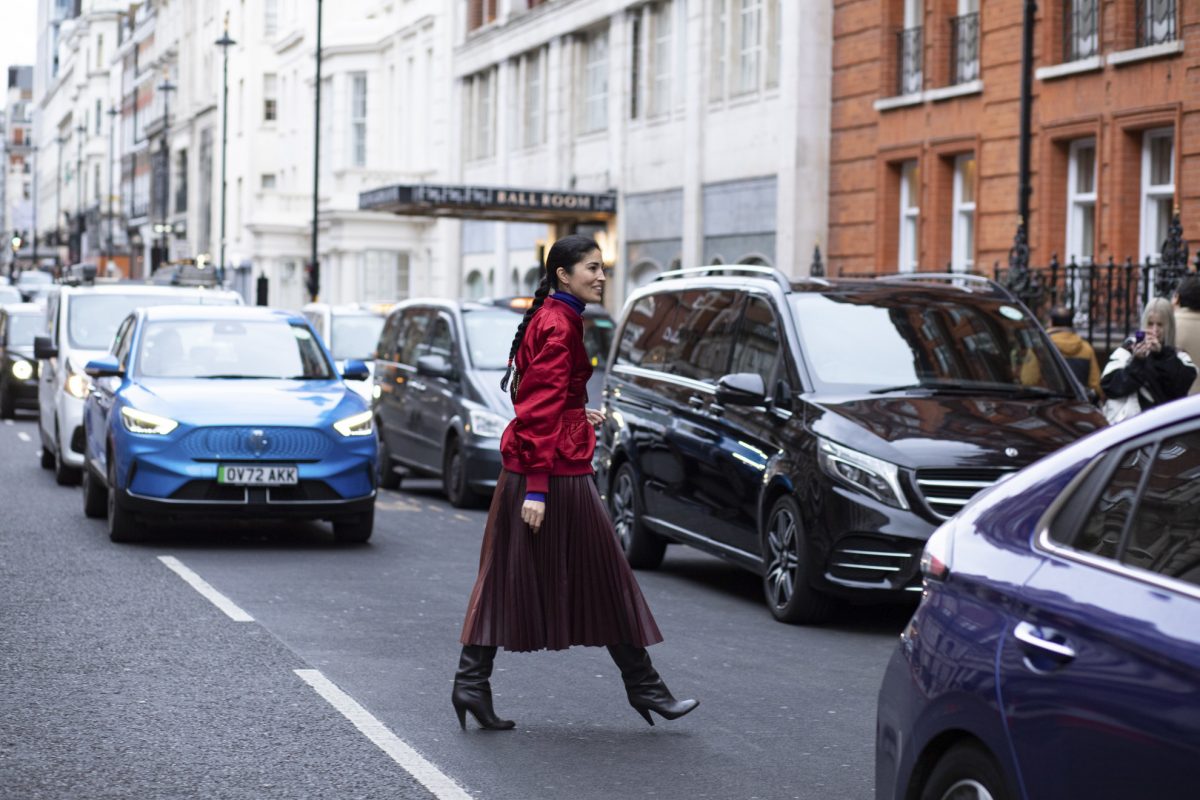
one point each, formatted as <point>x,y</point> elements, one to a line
<point>1156,22</point>
<point>909,61</point>
<point>1081,30</point>
<point>964,48</point>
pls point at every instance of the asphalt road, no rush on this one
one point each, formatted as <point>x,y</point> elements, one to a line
<point>121,680</point>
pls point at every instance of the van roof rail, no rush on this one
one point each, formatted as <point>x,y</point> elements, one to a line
<point>949,277</point>
<point>730,270</point>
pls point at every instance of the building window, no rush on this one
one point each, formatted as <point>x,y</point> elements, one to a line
<point>270,98</point>
<point>479,99</point>
<point>594,113</point>
<point>270,18</point>
<point>962,249</point>
<point>653,59</point>
<point>480,13</point>
<point>1081,29</point>
<point>1158,188</point>
<point>98,116</point>
<point>661,58</point>
<point>267,180</point>
<point>910,50</point>
<point>1081,201</point>
<point>96,182</point>
<point>99,52</point>
<point>1155,22</point>
<point>534,100</point>
<point>476,287</point>
<point>181,181</point>
<point>635,64</point>
<point>745,46</point>
<point>910,212</point>
<point>964,43</point>
<point>720,46</point>
<point>749,45</point>
<point>358,119</point>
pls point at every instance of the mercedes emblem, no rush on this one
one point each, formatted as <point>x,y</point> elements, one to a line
<point>1011,452</point>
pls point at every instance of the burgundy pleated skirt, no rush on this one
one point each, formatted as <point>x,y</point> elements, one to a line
<point>568,584</point>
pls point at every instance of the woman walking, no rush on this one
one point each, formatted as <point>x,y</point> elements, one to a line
<point>551,574</point>
<point>1147,370</point>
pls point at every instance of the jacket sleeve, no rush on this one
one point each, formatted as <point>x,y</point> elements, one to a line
<point>1094,376</point>
<point>1178,377</point>
<point>1123,375</point>
<point>541,400</point>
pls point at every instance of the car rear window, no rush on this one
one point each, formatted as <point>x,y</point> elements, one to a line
<point>354,335</point>
<point>93,318</point>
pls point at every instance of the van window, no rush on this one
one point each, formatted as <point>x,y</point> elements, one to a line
<point>412,334</point>
<point>439,342</point>
<point>704,340</point>
<point>758,341</point>
<point>650,331</point>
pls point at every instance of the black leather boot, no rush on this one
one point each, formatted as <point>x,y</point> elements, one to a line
<point>645,688</point>
<point>472,692</point>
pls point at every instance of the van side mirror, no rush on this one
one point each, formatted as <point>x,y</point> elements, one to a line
<point>103,367</point>
<point>434,366</point>
<point>741,389</point>
<point>43,347</point>
<point>355,370</point>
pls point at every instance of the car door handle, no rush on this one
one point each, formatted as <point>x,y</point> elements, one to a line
<point>1031,635</point>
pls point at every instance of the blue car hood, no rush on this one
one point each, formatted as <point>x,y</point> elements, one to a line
<point>245,402</point>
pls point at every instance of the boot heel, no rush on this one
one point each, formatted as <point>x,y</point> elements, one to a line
<point>645,712</point>
<point>462,717</point>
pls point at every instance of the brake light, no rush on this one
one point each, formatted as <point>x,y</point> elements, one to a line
<point>938,554</point>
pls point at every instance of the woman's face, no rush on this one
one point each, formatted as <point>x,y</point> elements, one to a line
<point>1155,327</point>
<point>586,281</point>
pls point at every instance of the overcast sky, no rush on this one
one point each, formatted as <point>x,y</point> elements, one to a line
<point>18,34</point>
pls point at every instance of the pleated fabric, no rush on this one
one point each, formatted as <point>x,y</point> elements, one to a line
<point>568,584</point>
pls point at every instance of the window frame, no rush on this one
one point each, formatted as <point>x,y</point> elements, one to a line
<point>593,96</point>
<point>359,89</point>
<point>1152,194</point>
<point>909,232</point>
<point>962,245</point>
<point>1077,201</point>
<point>270,111</point>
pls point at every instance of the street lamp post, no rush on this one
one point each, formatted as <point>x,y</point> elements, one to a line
<point>314,281</point>
<point>1024,282</point>
<point>35,204</point>
<point>166,87</point>
<point>112,124</point>
<point>76,251</point>
<point>224,43</point>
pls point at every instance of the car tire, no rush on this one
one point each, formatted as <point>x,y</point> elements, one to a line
<point>643,549</point>
<point>122,525</point>
<point>95,497</point>
<point>47,454</point>
<point>454,477</point>
<point>354,530</point>
<point>785,576</point>
<point>63,474</point>
<point>388,477</point>
<point>8,406</point>
<point>965,772</point>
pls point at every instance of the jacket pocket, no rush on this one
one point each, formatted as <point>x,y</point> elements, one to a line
<point>576,441</point>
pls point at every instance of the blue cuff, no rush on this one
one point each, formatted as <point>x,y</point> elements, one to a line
<point>537,496</point>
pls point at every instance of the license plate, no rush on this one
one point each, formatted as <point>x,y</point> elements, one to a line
<point>258,475</point>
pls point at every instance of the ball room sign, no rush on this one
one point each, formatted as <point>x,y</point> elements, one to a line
<point>489,202</point>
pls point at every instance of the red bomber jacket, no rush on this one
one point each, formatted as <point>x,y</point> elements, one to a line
<point>550,434</point>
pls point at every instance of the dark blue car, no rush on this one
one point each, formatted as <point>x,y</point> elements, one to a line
<point>236,412</point>
<point>1056,649</point>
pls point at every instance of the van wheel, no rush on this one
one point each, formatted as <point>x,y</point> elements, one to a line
<point>64,475</point>
<point>388,477</point>
<point>354,530</point>
<point>95,497</point>
<point>454,477</point>
<point>122,525</point>
<point>643,549</point>
<point>47,453</point>
<point>965,772</point>
<point>785,579</point>
<point>8,406</point>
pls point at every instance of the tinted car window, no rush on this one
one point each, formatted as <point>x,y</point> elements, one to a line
<point>231,349</point>
<point>94,317</point>
<point>489,336</point>
<point>412,334</point>
<point>1102,529</point>
<point>439,342</point>
<point>758,341</point>
<point>1165,533</point>
<point>650,331</point>
<point>704,335</point>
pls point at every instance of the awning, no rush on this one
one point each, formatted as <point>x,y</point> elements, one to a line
<point>490,202</point>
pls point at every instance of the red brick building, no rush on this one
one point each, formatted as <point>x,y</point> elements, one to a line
<point>924,153</point>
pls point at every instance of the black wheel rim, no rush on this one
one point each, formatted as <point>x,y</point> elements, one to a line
<point>967,790</point>
<point>622,508</point>
<point>457,476</point>
<point>784,564</point>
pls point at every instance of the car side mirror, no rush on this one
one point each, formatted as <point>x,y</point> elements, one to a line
<point>355,370</point>
<point>104,367</point>
<point>434,366</point>
<point>741,389</point>
<point>43,347</point>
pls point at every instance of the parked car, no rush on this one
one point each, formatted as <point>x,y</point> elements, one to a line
<point>81,321</point>
<point>34,284</point>
<point>349,331</point>
<point>19,324</point>
<point>440,410</point>
<point>1056,648</point>
<point>817,432</point>
<point>226,412</point>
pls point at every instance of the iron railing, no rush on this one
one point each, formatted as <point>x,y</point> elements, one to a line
<point>1156,22</point>
<point>964,48</point>
<point>910,60</point>
<point>1081,29</point>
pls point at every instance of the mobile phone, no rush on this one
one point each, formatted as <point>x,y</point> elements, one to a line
<point>1139,336</point>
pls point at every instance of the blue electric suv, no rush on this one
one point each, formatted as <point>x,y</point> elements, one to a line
<point>1056,649</point>
<point>201,411</point>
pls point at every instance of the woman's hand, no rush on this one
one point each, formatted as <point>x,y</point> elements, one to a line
<point>1146,347</point>
<point>594,416</point>
<point>533,512</point>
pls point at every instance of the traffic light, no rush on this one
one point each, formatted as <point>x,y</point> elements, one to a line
<point>312,279</point>
<point>16,241</point>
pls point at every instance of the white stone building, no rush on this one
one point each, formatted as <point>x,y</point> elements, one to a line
<point>16,156</point>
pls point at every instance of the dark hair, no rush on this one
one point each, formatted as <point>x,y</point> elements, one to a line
<point>1189,292</point>
<point>1061,317</point>
<point>566,253</point>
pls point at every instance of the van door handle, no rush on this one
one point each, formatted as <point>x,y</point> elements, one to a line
<point>1034,637</point>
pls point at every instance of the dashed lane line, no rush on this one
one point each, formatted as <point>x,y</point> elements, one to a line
<point>202,586</point>
<point>437,782</point>
<point>23,436</point>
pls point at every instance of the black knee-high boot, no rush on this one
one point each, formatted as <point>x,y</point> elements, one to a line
<point>473,692</point>
<point>645,688</point>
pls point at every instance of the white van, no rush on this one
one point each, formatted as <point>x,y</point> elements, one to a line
<point>349,331</point>
<point>80,324</point>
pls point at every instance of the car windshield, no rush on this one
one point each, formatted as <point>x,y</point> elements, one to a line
<point>355,335</point>
<point>94,318</point>
<point>231,349</point>
<point>489,336</point>
<point>909,339</point>
<point>23,327</point>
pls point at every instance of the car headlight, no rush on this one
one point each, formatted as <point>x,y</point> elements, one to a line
<point>487,424</point>
<point>874,476</point>
<point>144,422</point>
<point>78,385</point>
<point>360,424</point>
<point>22,370</point>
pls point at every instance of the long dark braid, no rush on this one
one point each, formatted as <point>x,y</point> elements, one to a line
<point>566,253</point>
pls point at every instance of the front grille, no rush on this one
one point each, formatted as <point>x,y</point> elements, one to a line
<point>871,559</point>
<point>945,491</point>
<point>306,491</point>
<point>266,443</point>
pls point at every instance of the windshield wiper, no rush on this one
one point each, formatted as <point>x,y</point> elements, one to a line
<point>233,377</point>
<point>975,389</point>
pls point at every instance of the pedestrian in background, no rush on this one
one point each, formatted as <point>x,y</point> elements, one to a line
<point>551,574</point>
<point>1187,322</point>
<point>1080,356</point>
<point>1147,370</point>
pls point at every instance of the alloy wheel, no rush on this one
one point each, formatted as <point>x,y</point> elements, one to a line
<point>622,508</point>
<point>784,561</point>
<point>967,790</point>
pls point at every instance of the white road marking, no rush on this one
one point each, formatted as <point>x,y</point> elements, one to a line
<point>8,422</point>
<point>208,592</point>
<point>23,436</point>
<point>433,779</point>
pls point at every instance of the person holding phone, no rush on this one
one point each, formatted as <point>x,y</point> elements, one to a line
<point>1147,370</point>
<point>551,573</point>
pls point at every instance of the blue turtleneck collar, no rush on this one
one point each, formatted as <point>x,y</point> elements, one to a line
<point>563,296</point>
